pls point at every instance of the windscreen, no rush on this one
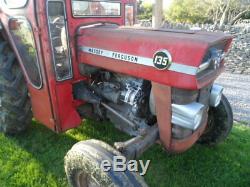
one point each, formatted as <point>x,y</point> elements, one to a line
<point>95,8</point>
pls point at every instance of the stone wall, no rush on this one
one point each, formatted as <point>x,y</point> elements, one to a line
<point>238,58</point>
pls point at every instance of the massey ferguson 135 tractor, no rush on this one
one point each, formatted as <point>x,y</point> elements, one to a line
<point>72,59</point>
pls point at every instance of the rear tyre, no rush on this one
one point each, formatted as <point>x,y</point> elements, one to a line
<point>15,107</point>
<point>82,166</point>
<point>220,123</point>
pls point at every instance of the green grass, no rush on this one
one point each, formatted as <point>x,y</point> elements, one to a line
<point>35,158</point>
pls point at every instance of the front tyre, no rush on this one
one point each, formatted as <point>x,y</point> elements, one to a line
<point>220,123</point>
<point>15,106</point>
<point>82,167</point>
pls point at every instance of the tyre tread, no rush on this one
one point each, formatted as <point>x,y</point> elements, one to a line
<point>15,115</point>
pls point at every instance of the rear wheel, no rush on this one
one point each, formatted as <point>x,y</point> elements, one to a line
<point>15,107</point>
<point>220,123</point>
<point>82,166</point>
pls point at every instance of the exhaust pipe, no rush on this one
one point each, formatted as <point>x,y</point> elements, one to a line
<point>215,95</point>
<point>187,116</point>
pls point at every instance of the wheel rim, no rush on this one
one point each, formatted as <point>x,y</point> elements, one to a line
<point>84,180</point>
<point>219,124</point>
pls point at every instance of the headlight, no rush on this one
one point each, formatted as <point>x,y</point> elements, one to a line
<point>188,116</point>
<point>215,95</point>
<point>59,39</point>
<point>129,15</point>
<point>212,59</point>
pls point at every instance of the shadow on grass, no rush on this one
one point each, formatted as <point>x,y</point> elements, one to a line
<point>227,164</point>
<point>47,149</point>
<point>40,152</point>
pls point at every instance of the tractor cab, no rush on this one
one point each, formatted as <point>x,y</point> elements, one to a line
<point>43,35</point>
<point>64,21</point>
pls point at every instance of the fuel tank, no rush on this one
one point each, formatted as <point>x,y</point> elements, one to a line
<point>169,57</point>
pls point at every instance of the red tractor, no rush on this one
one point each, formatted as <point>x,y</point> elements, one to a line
<point>64,61</point>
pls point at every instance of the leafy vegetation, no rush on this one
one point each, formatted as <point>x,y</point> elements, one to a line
<point>210,11</point>
<point>144,11</point>
<point>35,158</point>
<point>218,12</point>
<point>190,11</point>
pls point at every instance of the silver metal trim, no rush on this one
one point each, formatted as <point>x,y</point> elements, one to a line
<point>67,35</point>
<point>90,26</point>
<point>204,65</point>
<point>215,95</point>
<point>187,116</point>
<point>215,60</point>
<point>176,67</point>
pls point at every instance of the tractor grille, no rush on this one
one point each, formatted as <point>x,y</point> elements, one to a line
<point>182,97</point>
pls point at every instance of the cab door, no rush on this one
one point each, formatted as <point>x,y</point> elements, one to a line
<point>19,21</point>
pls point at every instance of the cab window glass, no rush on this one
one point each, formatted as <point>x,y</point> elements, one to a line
<point>95,8</point>
<point>129,15</point>
<point>59,40</point>
<point>22,35</point>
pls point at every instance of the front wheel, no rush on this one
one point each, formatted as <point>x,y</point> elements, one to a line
<point>82,167</point>
<point>220,123</point>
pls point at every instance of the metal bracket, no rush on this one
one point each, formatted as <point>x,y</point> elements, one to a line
<point>135,147</point>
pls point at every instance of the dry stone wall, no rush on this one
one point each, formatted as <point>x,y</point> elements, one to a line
<point>238,58</point>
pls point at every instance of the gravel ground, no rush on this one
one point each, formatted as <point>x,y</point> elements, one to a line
<point>237,90</point>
